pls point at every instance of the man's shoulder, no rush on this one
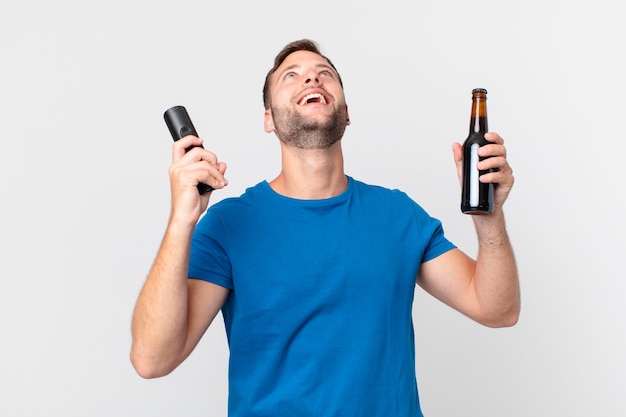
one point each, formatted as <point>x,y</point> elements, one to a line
<point>379,190</point>
<point>251,193</point>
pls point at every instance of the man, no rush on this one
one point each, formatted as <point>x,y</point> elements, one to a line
<point>314,272</point>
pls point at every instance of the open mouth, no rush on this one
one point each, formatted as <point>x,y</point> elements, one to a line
<point>313,98</point>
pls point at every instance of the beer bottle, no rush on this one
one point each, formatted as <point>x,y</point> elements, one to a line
<point>477,197</point>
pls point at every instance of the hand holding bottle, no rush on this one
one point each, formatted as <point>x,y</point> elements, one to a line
<point>477,172</point>
<point>494,162</point>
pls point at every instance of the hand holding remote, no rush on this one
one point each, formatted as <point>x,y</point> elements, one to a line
<point>179,124</point>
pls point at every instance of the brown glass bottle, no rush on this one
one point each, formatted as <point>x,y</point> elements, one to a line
<point>476,197</point>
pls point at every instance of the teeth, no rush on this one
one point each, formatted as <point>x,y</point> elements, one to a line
<point>308,97</point>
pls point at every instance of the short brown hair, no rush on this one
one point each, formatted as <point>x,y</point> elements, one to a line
<point>300,45</point>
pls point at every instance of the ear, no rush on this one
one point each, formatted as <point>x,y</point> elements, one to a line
<point>348,116</point>
<point>268,121</point>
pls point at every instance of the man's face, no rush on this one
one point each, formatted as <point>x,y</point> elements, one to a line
<point>308,108</point>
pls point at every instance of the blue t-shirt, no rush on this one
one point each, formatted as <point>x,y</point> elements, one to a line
<point>319,317</point>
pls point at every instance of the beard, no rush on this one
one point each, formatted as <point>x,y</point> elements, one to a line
<point>307,133</point>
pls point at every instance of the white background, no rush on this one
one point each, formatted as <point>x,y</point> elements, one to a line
<point>85,195</point>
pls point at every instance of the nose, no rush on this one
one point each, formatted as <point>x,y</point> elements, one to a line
<point>312,79</point>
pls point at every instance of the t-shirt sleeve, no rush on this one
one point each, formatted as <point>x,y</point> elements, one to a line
<point>438,243</point>
<point>208,258</point>
<point>432,233</point>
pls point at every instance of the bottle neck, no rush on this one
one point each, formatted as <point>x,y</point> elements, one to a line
<point>478,119</point>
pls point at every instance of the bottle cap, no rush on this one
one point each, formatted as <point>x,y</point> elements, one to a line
<point>479,90</point>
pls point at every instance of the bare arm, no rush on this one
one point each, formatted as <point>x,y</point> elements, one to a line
<point>172,312</point>
<point>486,289</point>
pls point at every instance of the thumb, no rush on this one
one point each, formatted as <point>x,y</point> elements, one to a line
<point>457,153</point>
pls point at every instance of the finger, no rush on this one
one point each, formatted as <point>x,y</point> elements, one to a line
<point>201,154</point>
<point>457,153</point>
<point>198,154</point>
<point>179,148</point>
<point>494,138</point>
<point>492,150</point>
<point>212,174</point>
<point>222,167</point>
<point>496,163</point>
<point>504,180</point>
<point>198,172</point>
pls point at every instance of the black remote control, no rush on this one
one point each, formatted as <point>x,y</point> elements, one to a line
<point>178,121</point>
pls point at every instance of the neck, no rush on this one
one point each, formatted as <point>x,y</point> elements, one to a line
<point>311,174</point>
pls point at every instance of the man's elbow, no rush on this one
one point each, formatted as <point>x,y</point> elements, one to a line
<point>507,319</point>
<point>146,372</point>
<point>146,368</point>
